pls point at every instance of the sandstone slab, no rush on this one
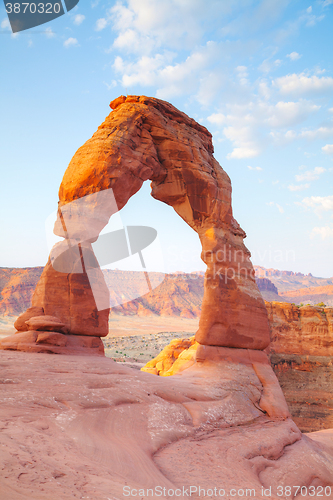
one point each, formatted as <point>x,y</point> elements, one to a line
<point>46,323</point>
<point>84,426</point>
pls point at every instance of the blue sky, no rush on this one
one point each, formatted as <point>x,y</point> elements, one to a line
<point>257,74</point>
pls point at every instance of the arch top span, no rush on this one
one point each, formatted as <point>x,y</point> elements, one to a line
<point>146,138</point>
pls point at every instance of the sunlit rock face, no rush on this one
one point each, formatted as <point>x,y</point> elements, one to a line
<point>146,138</point>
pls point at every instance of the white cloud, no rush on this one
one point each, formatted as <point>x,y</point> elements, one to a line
<point>217,118</point>
<point>325,232</point>
<point>5,24</point>
<point>293,56</point>
<point>318,203</point>
<point>71,42</point>
<point>49,33</point>
<point>328,149</point>
<point>273,204</point>
<point>299,187</point>
<point>310,175</point>
<point>78,19</point>
<point>244,142</point>
<point>300,84</point>
<point>170,23</point>
<point>170,79</point>
<point>254,168</point>
<point>319,133</point>
<point>30,43</point>
<point>242,74</point>
<point>131,41</point>
<point>285,114</point>
<point>101,24</point>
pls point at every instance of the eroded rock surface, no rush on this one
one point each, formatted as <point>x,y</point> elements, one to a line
<point>86,427</point>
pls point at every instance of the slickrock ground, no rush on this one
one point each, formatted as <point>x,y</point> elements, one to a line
<point>85,427</point>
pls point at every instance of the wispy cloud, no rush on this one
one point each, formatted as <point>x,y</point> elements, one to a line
<point>254,168</point>
<point>273,204</point>
<point>71,42</point>
<point>78,19</point>
<point>325,232</point>
<point>49,33</point>
<point>310,175</point>
<point>101,24</point>
<point>299,187</point>
<point>5,24</point>
<point>111,85</point>
<point>319,204</point>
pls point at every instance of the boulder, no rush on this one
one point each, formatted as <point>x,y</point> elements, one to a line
<point>20,323</point>
<point>46,323</point>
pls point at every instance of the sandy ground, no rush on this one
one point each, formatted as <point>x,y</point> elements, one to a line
<point>136,340</point>
<point>132,340</point>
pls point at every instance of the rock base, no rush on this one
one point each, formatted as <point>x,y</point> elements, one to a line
<point>272,400</point>
<point>53,343</point>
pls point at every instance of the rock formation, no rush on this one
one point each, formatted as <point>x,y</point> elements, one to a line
<point>145,138</point>
<point>300,352</point>
<point>300,330</point>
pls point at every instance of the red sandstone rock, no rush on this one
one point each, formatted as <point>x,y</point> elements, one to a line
<point>300,330</point>
<point>145,138</point>
<point>20,323</point>
<point>46,323</point>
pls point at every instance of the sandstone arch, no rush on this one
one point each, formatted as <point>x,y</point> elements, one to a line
<point>145,138</point>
